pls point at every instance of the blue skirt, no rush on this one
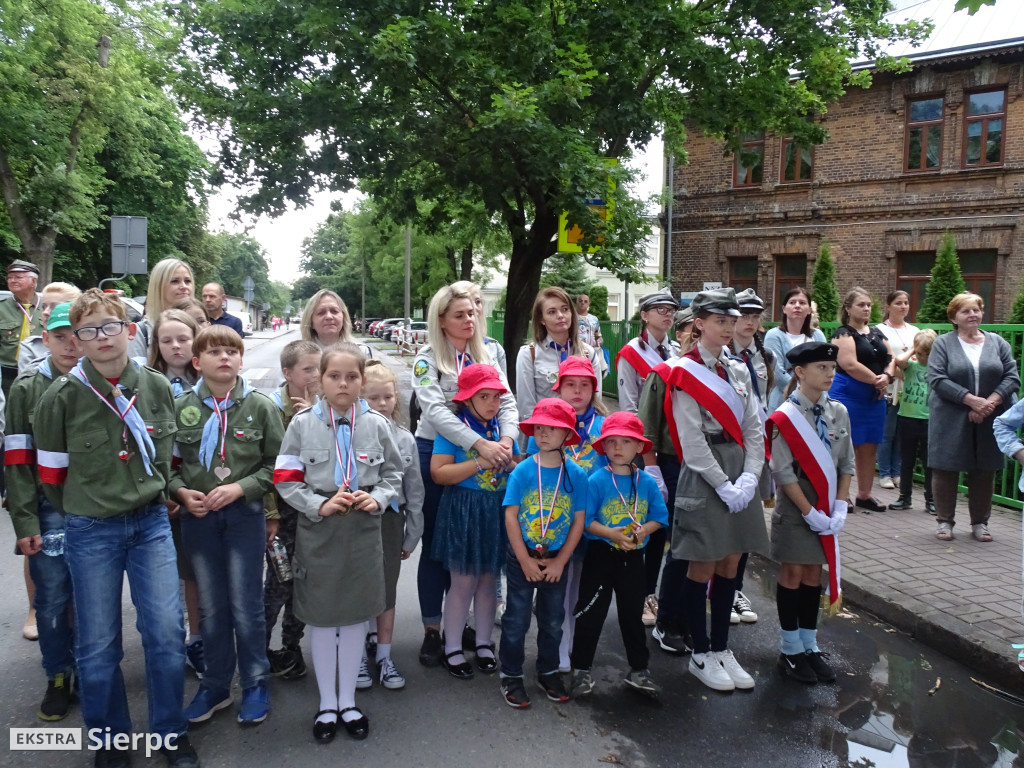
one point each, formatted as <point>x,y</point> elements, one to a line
<point>866,408</point>
<point>469,535</point>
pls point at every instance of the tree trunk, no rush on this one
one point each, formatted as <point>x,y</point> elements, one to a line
<point>35,247</point>
<point>41,254</point>
<point>466,267</point>
<point>529,249</point>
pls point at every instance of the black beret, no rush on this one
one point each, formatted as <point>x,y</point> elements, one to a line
<point>812,352</point>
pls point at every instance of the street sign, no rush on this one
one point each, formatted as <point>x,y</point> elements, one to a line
<point>711,285</point>
<point>248,284</point>
<point>128,245</point>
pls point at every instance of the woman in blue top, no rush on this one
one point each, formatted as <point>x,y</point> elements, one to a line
<point>794,329</point>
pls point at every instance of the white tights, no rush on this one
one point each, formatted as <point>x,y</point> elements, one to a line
<point>337,653</point>
<point>468,588</point>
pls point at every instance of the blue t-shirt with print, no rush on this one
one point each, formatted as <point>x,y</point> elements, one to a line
<point>522,492</point>
<point>605,506</point>
<point>583,454</point>
<point>488,480</point>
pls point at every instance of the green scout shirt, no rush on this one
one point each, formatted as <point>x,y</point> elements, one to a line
<point>253,441</point>
<point>11,320</point>
<point>72,425</point>
<point>21,474</point>
<point>651,410</point>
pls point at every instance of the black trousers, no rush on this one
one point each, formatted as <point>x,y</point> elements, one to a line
<point>607,570</point>
<point>913,443</point>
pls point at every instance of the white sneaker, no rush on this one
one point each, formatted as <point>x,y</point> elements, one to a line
<point>709,670</point>
<point>741,607</point>
<point>887,483</point>
<point>733,669</point>
<point>734,616</point>
<point>364,681</point>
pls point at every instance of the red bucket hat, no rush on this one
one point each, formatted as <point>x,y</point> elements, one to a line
<point>574,365</point>
<point>622,424</point>
<point>475,377</point>
<point>552,412</point>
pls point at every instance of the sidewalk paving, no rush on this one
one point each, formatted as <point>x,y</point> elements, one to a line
<point>961,597</point>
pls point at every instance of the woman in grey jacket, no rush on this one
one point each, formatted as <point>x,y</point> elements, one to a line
<point>972,378</point>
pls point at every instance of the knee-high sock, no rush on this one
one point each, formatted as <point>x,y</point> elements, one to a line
<point>323,643</point>
<point>788,602</point>
<point>810,599</point>
<point>456,611</point>
<point>723,593</point>
<point>485,604</point>
<point>350,654</point>
<point>695,595</point>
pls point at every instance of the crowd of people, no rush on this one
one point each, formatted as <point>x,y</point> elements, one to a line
<point>138,448</point>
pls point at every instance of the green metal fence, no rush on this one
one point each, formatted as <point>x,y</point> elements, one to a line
<point>617,333</point>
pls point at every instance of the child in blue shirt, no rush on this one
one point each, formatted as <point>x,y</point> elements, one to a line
<point>544,511</point>
<point>624,506</point>
<point>469,532</point>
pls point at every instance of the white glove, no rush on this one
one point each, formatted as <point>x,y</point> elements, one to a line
<point>732,496</point>
<point>655,471</point>
<point>818,521</point>
<point>747,483</point>
<point>839,511</point>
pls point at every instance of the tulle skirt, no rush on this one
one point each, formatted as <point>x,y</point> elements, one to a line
<point>469,535</point>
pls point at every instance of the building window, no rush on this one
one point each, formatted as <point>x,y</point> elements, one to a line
<point>748,170</point>
<point>983,128</point>
<point>790,271</point>
<point>924,134</point>
<point>978,268</point>
<point>743,274</point>
<point>797,162</point>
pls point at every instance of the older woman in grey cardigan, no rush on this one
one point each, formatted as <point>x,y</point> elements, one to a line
<point>972,378</point>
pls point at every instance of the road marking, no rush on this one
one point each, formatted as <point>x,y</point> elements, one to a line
<point>255,374</point>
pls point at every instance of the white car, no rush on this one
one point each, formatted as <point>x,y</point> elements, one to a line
<point>246,321</point>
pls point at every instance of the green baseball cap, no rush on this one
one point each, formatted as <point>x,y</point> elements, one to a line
<point>59,317</point>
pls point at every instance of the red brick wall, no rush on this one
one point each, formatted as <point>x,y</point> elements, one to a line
<point>859,198</point>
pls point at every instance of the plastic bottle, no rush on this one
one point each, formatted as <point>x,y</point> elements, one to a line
<point>53,543</point>
<point>278,558</point>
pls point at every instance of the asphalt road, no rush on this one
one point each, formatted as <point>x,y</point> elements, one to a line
<point>896,702</point>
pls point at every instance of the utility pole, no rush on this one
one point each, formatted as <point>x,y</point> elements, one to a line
<point>408,270</point>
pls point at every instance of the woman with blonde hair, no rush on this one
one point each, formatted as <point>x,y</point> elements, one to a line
<point>326,321</point>
<point>170,281</point>
<point>555,337</point>
<point>477,296</point>
<point>452,343</point>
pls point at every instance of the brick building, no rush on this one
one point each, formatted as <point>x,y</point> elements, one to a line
<point>938,148</point>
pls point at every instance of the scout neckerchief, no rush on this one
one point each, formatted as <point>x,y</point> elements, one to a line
<point>712,393</point>
<point>561,349</point>
<point>217,427</point>
<point>584,423</point>
<point>643,357</point>
<point>634,519</point>
<point>462,359</point>
<point>346,473</point>
<point>27,324</point>
<point>129,417</point>
<point>816,463</point>
<point>542,546</point>
<point>490,431</point>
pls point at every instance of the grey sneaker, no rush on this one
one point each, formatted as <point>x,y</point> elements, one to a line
<point>364,681</point>
<point>581,683</point>
<point>390,677</point>
<point>640,680</point>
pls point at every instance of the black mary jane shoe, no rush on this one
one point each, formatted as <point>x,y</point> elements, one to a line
<point>903,502</point>
<point>869,504</point>
<point>323,731</point>
<point>461,671</point>
<point>486,664</point>
<point>358,728</point>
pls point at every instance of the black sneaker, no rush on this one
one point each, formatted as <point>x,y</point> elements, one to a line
<point>180,753</point>
<point>820,667</point>
<point>869,505</point>
<point>298,669</point>
<point>57,699</point>
<point>514,692</point>
<point>112,758</point>
<point>430,651</point>
<point>903,502</point>
<point>553,686</point>
<point>281,661</point>
<point>671,640</point>
<point>798,667</point>
<point>929,506</point>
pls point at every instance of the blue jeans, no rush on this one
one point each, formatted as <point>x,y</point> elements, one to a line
<point>99,551</point>
<point>53,596</point>
<point>889,448</point>
<point>226,550</point>
<point>432,580</point>
<point>515,623</point>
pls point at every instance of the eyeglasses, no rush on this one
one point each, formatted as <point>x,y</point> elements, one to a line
<point>90,332</point>
<point>663,310</point>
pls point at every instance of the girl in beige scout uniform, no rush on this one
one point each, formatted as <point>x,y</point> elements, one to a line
<point>340,468</point>
<point>812,460</point>
<point>718,515</point>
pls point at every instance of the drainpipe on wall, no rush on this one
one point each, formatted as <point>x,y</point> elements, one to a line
<point>668,228</point>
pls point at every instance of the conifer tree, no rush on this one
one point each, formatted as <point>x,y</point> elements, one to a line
<point>823,286</point>
<point>945,283</point>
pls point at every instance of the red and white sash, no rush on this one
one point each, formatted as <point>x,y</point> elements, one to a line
<point>816,463</point>
<point>642,360</point>
<point>712,392</point>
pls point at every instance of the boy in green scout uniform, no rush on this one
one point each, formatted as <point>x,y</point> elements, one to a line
<point>227,442</point>
<point>34,517</point>
<point>103,435</point>
<point>20,316</point>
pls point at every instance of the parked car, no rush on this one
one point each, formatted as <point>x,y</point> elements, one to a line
<point>246,321</point>
<point>371,329</point>
<point>413,335</point>
<point>386,326</point>
<point>362,325</point>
